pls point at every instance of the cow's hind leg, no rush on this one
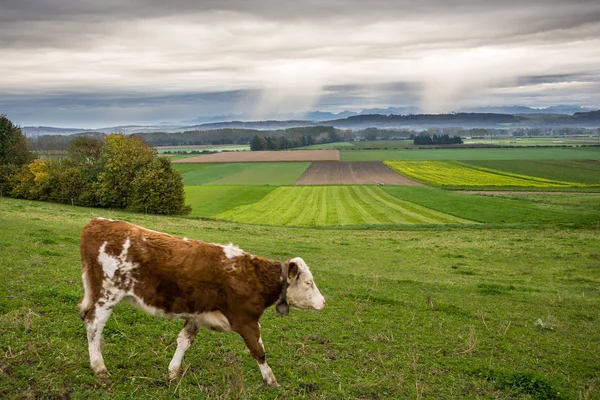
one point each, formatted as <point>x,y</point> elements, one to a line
<point>94,323</point>
<point>184,341</point>
<point>251,334</point>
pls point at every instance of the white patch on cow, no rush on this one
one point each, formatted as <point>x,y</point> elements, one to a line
<point>232,251</point>
<point>110,263</point>
<point>261,342</point>
<point>185,239</point>
<point>183,343</point>
<point>302,291</point>
<point>267,374</point>
<point>157,312</point>
<point>86,303</point>
<point>213,320</point>
<point>105,219</point>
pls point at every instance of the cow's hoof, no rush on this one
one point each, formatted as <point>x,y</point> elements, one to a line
<point>102,373</point>
<point>273,383</point>
<point>173,375</point>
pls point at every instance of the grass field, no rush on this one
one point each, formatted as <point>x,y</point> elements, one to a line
<point>574,210</point>
<point>335,205</point>
<point>455,174</point>
<point>328,146</point>
<point>575,153</point>
<point>589,202</point>
<point>424,313</point>
<point>581,171</point>
<point>281,173</point>
<point>207,201</point>
<point>232,147</point>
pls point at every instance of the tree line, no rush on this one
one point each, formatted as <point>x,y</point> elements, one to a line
<point>298,140</point>
<point>427,139</point>
<point>122,172</point>
<point>317,134</point>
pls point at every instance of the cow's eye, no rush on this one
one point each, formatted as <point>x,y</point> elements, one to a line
<point>309,283</point>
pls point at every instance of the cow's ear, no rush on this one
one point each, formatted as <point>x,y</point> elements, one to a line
<point>293,270</point>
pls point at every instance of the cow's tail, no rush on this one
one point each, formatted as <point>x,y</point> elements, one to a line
<point>85,304</point>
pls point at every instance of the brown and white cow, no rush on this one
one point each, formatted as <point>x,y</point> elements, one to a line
<point>208,285</point>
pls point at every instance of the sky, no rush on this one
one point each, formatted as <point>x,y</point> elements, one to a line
<point>91,64</point>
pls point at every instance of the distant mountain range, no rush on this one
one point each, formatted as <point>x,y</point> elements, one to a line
<point>560,109</point>
<point>388,118</point>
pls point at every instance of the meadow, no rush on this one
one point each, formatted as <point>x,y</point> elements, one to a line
<point>430,293</point>
<point>580,171</point>
<point>335,205</point>
<point>281,173</point>
<point>542,153</point>
<point>455,312</point>
<point>460,175</point>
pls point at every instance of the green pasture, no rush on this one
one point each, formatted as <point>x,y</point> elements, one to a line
<point>440,313</point>
<point>276,173</point>
<point>389,205</point>
<point>510,209</point>
<point>335,205</point>
<point>211,200</point>
<point>235,147</point>
<point>559,153</point>
<point>537,141</point>
<point>588,203</point>
<point>327,146</point>
<point>580,171</point>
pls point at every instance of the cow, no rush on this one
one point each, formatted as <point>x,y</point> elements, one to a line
<point>219,287</point>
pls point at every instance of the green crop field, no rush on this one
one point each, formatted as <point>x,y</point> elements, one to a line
<point>580,153</point>
<point>443,313</point>
<point>588,203</point>
<point>335,205</point>
<point>537,141</point>
<point>574,210</point>
<point>456,174</point>
<point>327,146</point>
<point>581,171</point>
<point>227,147</point>
<point>347,205</point>
<point>211,200</point>
<point>276,173</point>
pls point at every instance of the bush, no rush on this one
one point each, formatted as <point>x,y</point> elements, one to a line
<point>158,189</point>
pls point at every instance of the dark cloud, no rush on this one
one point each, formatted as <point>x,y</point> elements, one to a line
<point>144,59</point>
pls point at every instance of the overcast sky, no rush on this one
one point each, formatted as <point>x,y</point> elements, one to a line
<point>90,63</point>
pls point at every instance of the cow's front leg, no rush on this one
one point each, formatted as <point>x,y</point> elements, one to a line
<point>251,334</point>
<point>184,341</point>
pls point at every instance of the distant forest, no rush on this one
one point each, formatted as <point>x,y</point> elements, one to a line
<point>304,136</point>
<point>290,137</point>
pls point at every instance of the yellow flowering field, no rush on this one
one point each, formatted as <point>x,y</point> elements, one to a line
<point>455,173</point>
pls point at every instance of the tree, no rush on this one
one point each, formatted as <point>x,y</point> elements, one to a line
<point>158,189</point>
<point>256,144</point>
<point>13,154</point>
<point>83,165</point>
<point>13,144</point>
<point>122,158</point>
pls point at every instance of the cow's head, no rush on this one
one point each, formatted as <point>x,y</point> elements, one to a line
<point>302,292</point>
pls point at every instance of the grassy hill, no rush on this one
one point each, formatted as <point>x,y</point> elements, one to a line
<point>439,312</point>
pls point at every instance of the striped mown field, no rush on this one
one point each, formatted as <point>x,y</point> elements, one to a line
<point>458,174</point>
<point>335,205</point>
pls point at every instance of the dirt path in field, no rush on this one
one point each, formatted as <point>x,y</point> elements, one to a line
<point>500,193</point>
<point>264,156</point>
<point>352,173</point>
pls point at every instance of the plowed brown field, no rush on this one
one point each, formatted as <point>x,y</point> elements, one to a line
<point>264,156</point>
<point>352,173</point>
